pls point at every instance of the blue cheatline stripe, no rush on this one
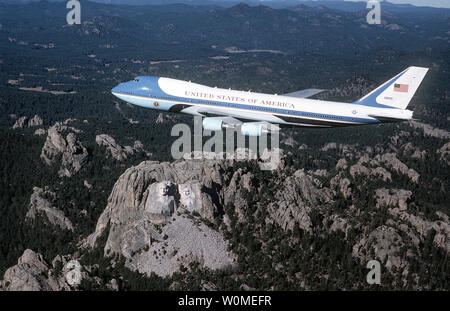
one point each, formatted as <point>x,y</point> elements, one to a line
<point>156,93</point>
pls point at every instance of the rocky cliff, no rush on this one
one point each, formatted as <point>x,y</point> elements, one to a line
<point>150,214</point>
<point>115,150</point>
<point>41,202</point>
<point>33,273</point>
<point>24,122</point>
<point>68,150</point>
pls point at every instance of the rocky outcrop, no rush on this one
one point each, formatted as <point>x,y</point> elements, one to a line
<point>150,210</point>
<point>444,152</point>
<point>341,164</point>
<point>289,141</point>
<point>385,243</point>
<point>379,166</point>
<point>40,132</point>
<point>341,184</point>
<point>117,151</point>
<point>32,273</point>
<point>342,149</point>
<point>392,197</point>
<point>338,224</point>
<point>429,130</point>
<point>69,150</point>
<point>414,152</point>
<point>294,200</point>
<point>179,243</point>
<point>165,117</point>
<point>415,226</point>
<point>156,211</point>
<point>24,122</point>
<point>418,228</point>
<point>393,163</point>
<point>40,202</point>
<point>378,172</point>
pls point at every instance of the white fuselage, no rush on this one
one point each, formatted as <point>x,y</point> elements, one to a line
<point>196,99</point>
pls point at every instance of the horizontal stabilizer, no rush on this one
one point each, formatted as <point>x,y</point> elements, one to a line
<point>304,93</point>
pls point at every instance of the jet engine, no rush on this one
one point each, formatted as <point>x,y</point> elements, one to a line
<point>258,128</point>
<point>253,129</point>
<point>213,124</point>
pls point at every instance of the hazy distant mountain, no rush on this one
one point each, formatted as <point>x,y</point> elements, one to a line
<point>244,27</point>
<point>340,197</point>
<point>342,5</point>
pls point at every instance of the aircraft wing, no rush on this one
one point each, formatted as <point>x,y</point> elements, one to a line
<point>227,118</point>
<point>233,120</point>
<point>304,93</point>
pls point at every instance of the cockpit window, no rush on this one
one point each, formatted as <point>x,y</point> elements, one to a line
<point>136,80</point>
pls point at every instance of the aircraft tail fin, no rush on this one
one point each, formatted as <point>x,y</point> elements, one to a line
<point>396,92</point>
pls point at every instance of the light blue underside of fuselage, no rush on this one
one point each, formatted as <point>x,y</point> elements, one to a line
<point>147,102</point>
<point>147,91</point>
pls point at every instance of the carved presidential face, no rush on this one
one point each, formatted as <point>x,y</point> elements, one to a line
<point>188,195</point>
<point>163,188</point>
<point>185,190</point>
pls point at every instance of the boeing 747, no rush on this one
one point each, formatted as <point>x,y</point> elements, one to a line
<point>256,113</point>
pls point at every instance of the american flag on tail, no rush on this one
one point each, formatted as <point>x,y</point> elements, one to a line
<point>400,87</point>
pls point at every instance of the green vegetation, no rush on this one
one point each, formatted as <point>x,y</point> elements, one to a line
<point>119,43</point>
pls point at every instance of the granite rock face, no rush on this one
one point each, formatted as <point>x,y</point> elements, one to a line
<point>24,122</point>
<point>430,130</point>
<point>294,200</point>
<point>68,150</point>
<point>150,220</point>
<point>115,150</point>
<point>392,197</point>
<point>385,243</point>
<point>156,211</point>
<point>41,202</point>
<point>444,152</point>
<point>40,132</point>
<point>32,273</point>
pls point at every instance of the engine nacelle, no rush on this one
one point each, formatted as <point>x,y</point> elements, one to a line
<point>212,124</point>
<point>258,128</point>
<point>253,129</point>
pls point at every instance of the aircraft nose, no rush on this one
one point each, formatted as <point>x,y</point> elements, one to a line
<point>117,88</point>
<point>120,88</point>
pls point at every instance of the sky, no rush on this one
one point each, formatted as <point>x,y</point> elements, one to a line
<point>433,3</point>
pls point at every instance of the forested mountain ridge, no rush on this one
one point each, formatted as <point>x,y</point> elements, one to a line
<point>341,196</point>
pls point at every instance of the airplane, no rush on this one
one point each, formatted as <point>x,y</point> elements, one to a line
<point>255,114</point>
